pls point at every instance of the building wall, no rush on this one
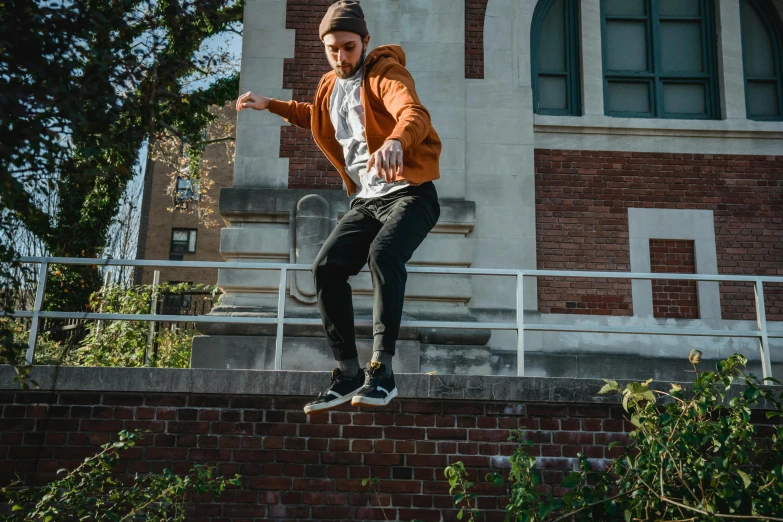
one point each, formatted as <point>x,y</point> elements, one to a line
<point>582,196</point>
<point>582,202</point>
<point>477,86</point>
<point>159,217</point>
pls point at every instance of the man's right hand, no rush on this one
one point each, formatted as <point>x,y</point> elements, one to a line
<point>251,100</point>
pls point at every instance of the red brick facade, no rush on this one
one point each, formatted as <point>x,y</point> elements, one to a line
<point>474,38</point>
<point>582,201</point>
<point>300,467</point>
<point>673,299</point>
<point>307,166</point>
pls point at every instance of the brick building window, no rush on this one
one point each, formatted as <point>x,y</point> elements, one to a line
<point>762,52</point>
<point>554,41</point>
<point>659,59</point>
<point>183,241</point>
<point>186,191</point>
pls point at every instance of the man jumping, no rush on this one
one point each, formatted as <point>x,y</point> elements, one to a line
<point>369,122</point>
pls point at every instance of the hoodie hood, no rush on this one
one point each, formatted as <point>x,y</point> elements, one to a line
<point>385,52</point>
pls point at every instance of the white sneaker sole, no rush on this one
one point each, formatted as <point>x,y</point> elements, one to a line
<point>361,400</point>
<point>308,409</point>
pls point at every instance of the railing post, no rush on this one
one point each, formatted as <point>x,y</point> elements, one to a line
<point>280,318</point>
<point>520,325</point>
<point>153,311</point>
<point>39,297</point>
<point>106,279</point>
<point>761,320</point>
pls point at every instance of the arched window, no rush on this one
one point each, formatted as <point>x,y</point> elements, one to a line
<point>554,43</point>
<point>659,58</point>
<point>761,58</point>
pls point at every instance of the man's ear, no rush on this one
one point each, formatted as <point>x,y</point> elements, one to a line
<point>367,41</point>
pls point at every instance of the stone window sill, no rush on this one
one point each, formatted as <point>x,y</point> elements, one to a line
<point>599,124</point>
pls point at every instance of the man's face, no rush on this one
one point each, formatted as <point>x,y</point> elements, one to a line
<point>345,52</point>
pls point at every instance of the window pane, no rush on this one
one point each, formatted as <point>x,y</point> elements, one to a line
<point>552,92</point>
<point>678,8</point>
<point>763,99</point>
<point>629,97</point>
<point>551,47</point>
<point>192,241</point>
<point>681,46</point>
<point>757,51</point>
<point>684,98</point>
<point>180,235</point>
<point>178,247</point>
<point>626,46</point>
<point>624,7</point>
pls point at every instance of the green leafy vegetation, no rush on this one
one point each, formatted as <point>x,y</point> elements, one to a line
<point>696,455</point>
<point>92,492</point>
<point>117,343</point>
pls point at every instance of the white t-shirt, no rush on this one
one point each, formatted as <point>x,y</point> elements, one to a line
<point>347,115</point>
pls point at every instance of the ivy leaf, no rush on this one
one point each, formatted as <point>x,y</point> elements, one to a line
<point>543,510</point>
<point>609,386</point>
<point>745,478</point>
<point>615,443</point>
<point>570,481</point>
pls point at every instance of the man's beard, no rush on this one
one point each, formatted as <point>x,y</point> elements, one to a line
<point>345,75</point>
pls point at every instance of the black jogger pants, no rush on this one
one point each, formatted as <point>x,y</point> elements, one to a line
<point>383,232</point>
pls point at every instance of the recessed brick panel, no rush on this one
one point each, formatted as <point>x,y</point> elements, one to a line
<point>475,11</point>
<point>307,166</point>
<point>673,299</point>
<point>582,202</point>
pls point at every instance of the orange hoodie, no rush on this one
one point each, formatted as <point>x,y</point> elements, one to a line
<point>392,111</point>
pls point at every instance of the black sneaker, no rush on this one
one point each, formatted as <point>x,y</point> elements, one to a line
<point>340,390</point>
<point>379,388</point>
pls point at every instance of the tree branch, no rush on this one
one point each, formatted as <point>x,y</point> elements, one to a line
<point>572,513</point>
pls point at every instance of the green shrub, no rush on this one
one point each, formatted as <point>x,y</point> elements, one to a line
<point>694,455</point>
<point>114,343</point>
<point>92,492</point>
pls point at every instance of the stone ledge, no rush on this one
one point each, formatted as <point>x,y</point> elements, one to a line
<point>263,382</point>
<point>598,124</point>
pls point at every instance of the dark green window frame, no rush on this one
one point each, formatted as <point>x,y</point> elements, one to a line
<point>571,73</point>
<point>654,77</point>
<point>771,19</point>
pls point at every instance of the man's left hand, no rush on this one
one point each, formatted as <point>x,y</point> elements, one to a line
<point>388,161</point>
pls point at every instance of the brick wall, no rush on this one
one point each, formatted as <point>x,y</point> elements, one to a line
<point>295,467</point>
<point>157,221</point>
<point>673,299</point>
<point>307,166</point>
<point>474,38</point>
<point>582,201</point>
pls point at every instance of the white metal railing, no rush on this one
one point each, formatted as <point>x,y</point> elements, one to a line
<point>761,333</point>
